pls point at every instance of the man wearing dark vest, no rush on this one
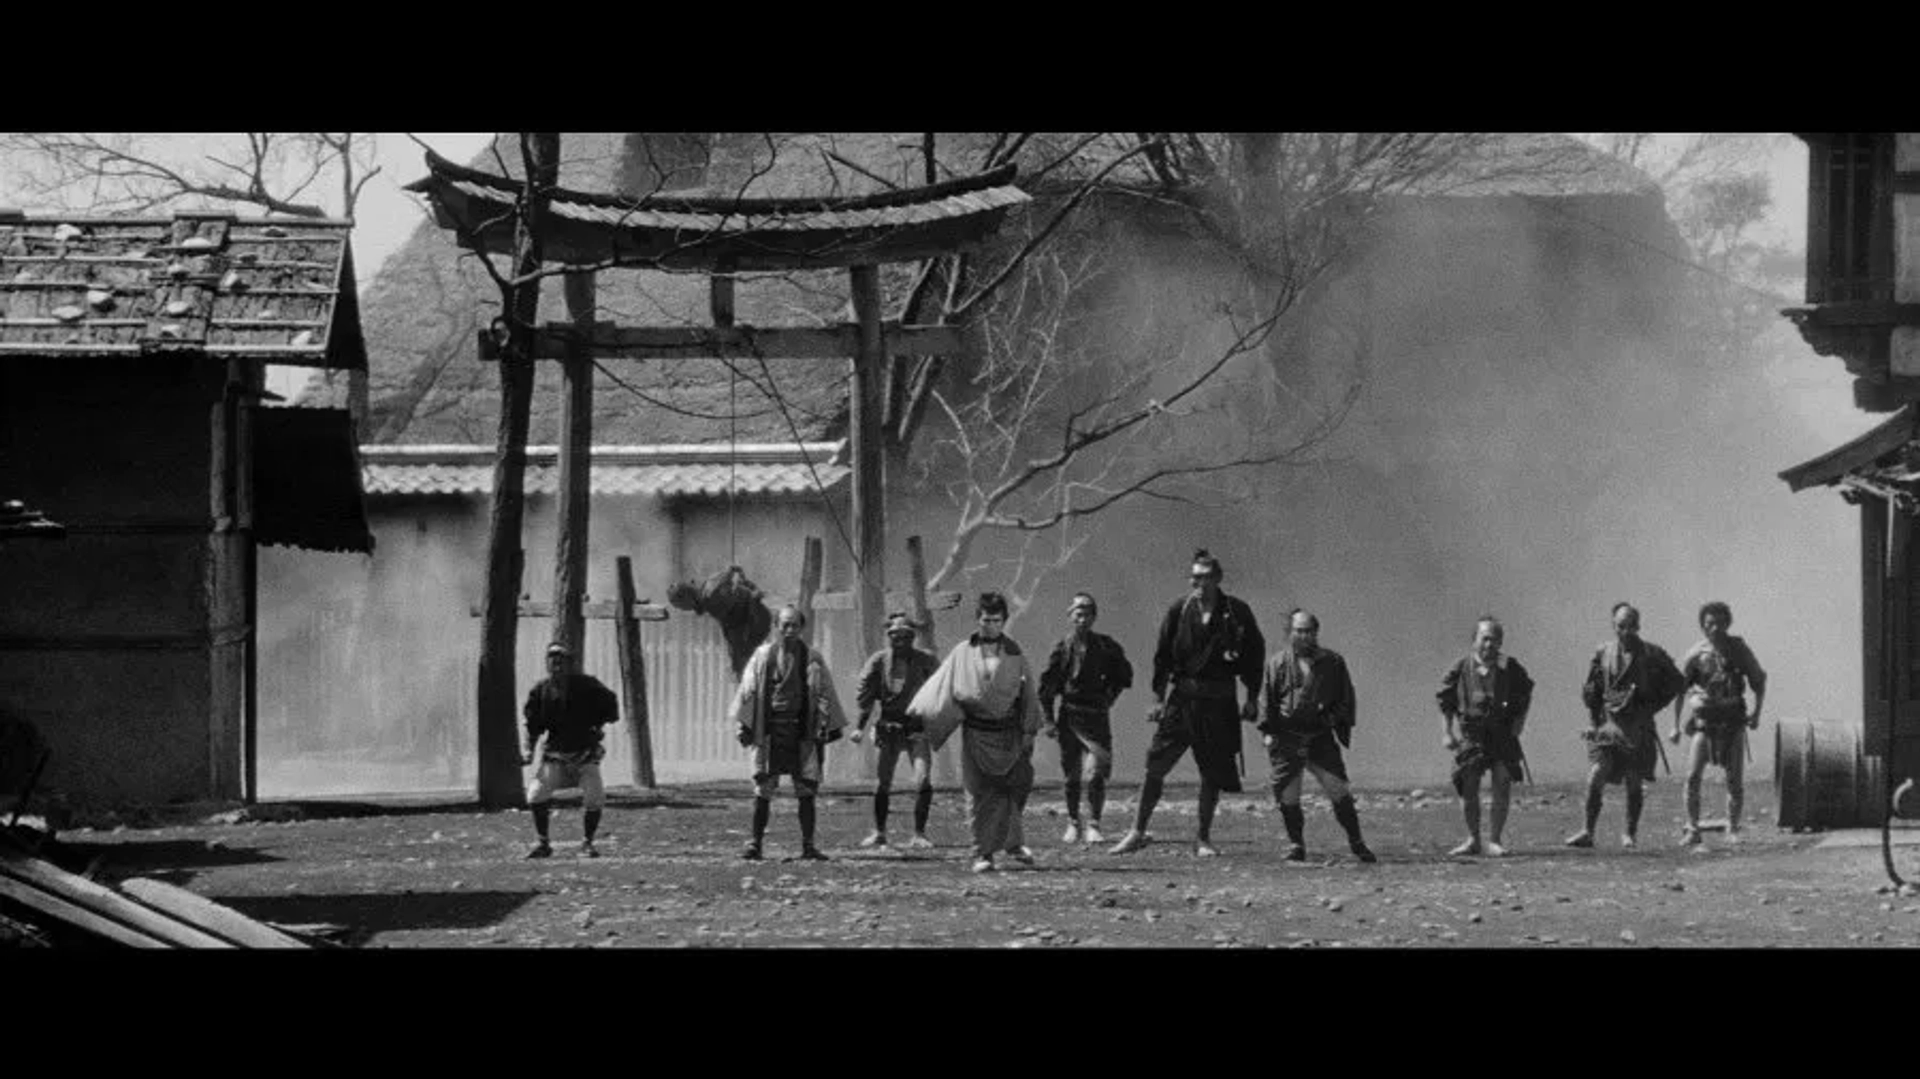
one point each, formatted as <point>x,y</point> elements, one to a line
<point>569,707</point>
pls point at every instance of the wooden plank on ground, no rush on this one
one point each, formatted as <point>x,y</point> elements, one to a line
<point>69,913</point>
<point>105,902</point>
<point>221,921</point>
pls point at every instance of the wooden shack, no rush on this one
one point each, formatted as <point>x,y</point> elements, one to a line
<point>132,367</point>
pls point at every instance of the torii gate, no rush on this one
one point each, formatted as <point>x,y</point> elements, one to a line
<point>721,237</point>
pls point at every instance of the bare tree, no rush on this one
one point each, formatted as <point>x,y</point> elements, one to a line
<point>1094,385</point>
<point>126,173</point>
<point>95,172</point>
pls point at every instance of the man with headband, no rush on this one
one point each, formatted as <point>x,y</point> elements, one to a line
<point>569,707</point>
<point>890,679</point>
<point>1085,673</point>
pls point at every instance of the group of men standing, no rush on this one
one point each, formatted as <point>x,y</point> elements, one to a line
<point>1211,675</point>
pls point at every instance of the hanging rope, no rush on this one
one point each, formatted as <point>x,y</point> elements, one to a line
<point>733,461</point>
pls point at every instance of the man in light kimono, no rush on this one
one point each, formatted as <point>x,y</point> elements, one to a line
<point>1717,673</point>
<point>1483,706</point>
<point>1628,683</point>
<point>786,710</point>
<point>986,688</point>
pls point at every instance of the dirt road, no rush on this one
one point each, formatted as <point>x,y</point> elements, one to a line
<point>446,876</point>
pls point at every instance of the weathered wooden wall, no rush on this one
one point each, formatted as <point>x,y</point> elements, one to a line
<point>117,642</point>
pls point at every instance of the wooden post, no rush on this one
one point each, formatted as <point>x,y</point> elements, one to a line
<point>576,472</point>
<point>633,675</point>
<point>869,509</point>
<point>922,614</point>
<point>810,559</point>
<point>499,781</point>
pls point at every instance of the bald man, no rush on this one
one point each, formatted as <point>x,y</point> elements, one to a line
<point>1306,715</point>
<point>1484,700</point>
<point>1629,681</point>
<point>786,711</point>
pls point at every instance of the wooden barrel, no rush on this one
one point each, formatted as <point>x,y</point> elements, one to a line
<point>1824,778</point>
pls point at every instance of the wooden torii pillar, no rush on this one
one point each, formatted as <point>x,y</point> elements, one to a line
<point>719,237</point>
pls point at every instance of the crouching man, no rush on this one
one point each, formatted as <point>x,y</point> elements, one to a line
<point>569,707</point>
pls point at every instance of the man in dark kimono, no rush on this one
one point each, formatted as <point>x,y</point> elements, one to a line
<point>1628,683</point>
<point>786,711</point>
<point>890,679</point>
<point>1717,674</point>
<point>1086,673</point>
<point>1208,641</point>
<point>1306,716</point>
<point>1483,706</point>
<point>569,707</point>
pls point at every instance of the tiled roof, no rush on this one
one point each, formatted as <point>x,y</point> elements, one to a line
<point>270,289</point>
<point>654,471</point>
<point>745,234</point>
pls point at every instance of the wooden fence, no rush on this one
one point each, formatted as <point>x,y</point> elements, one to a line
<point>347,709</point>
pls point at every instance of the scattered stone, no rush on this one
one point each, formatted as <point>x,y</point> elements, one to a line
<point>1675,886</point>
<point>1909,890</point>
<point>1335,906</point>
<point>1627,936</point>
<point>1475,918</point>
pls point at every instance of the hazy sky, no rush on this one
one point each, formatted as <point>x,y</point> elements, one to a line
<point>387,216</point>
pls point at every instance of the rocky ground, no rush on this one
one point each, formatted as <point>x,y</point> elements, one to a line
<point>419,874</point>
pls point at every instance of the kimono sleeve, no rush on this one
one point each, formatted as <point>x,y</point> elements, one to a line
<point>1593,690</point>
<point>1664,681</point>
<point>829,716</point>
<point>1053,680</point>
<point>1344,708</point>
<point>939,714</point>
<point>873,679</point>
<point>1030,715</point>
<point>741,710</point>
<point>1449,696</point>
<point>609,704</point>
<point>1520,701</point>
